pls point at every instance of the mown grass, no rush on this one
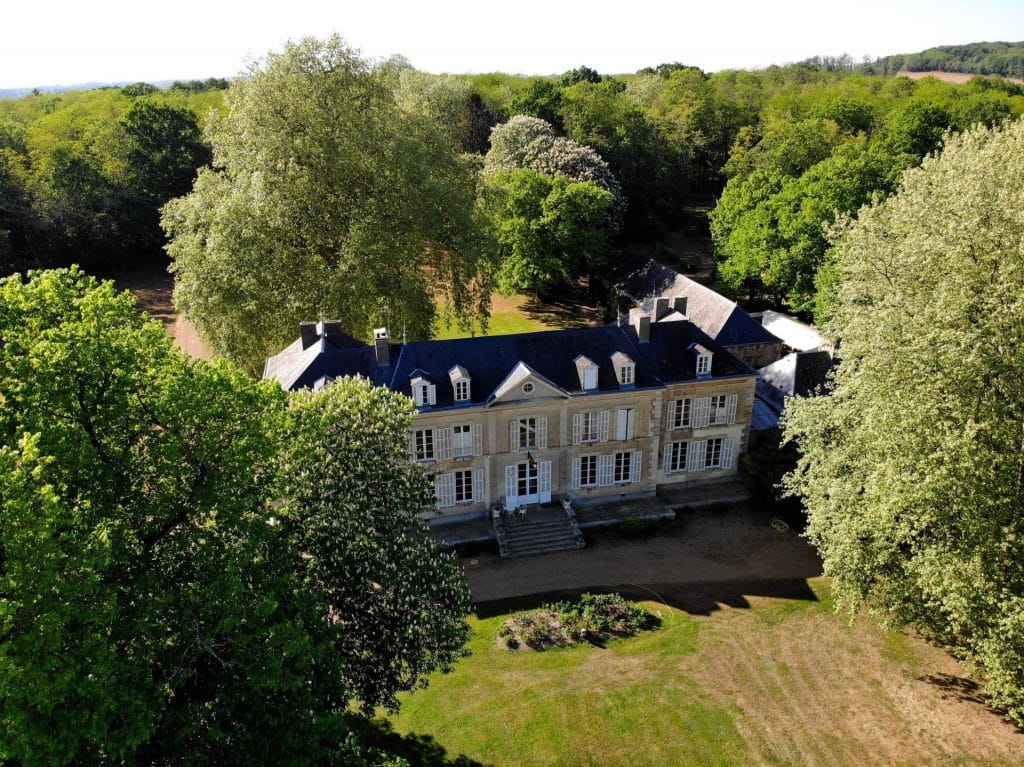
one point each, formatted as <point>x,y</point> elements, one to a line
<point>580,705</point>
<point>784,682</point>
<point>507,317</point>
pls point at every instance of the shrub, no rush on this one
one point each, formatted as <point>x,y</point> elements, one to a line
<point>593,618</point>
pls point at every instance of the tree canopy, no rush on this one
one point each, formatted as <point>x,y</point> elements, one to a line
<point>193,570</point>
<point>328,199</point>
<point>911,469</point>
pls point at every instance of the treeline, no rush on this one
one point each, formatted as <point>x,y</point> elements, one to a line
<point>820,152</point>
<point>996,58</point>
<point>83,174</point>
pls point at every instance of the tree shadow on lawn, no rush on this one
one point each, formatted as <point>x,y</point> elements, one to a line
<point>417,750</point>
<point>693,597</point>
<point>572,308</point>
<point>966,690</point>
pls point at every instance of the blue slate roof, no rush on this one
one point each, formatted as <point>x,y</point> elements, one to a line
<point>721,318</point>
<point>667,358</point>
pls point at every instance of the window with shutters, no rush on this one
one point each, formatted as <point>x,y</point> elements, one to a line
<point>589,428</point>
<point>423,440</point>
<point>464,486</point>
<point>462,440</point>
<point>587,471</point>
<point>723,409</point>
<point>624,423</point>
<point>680,412</point>
<point>422,394</point>
<point>713,453</point>
<point>623,467</point>
<point>675,459</point>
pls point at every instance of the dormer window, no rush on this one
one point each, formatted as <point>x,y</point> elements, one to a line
<point>424,393</point>
<point>703,361</point>
<point>625,369</point>
<point>460,383</point>
<point>587,371</point>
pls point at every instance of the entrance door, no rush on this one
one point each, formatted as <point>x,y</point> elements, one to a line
<point>527,483</point>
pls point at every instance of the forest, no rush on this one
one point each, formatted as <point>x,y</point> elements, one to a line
<point>781,151</point>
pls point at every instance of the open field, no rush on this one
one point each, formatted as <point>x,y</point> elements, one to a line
<point>950,77</point>
<point>778,682</point>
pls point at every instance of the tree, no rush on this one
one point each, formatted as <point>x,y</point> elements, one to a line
<point>531,143</point>
<point>325,199</point>
<point>550,230</point>
<point>397,603</point>
<point>911,468</point>
<point>169,590</point>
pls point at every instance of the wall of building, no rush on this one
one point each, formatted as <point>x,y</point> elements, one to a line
<point>650,433</point>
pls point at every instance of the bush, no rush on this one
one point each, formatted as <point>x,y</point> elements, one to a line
<point>592,618</point>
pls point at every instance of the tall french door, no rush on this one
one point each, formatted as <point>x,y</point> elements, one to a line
<point>527,482</point>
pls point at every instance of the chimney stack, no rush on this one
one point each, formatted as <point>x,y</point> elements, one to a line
<point>679,304</point>
<point>660,308</point>
<point>641,323</point>
<point>382,344</point>
<point>309,333</point>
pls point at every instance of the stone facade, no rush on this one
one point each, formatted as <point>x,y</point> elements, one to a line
<point>593,414</point>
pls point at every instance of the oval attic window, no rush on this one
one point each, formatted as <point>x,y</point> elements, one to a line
<point>527,387</point>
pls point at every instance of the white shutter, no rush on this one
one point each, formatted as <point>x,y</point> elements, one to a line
<point>544,478</point>
<point>634,466</point>
<point>478,485</point>
<point>477,433</point>
<point>701,412</point>
<point>542,432</point>
<point>510,484</point>
<point>444,443</point>
<point>727,450</point>
<point>513,436</point>
<point>577,469</point>
<point>412,445</point>
<point>695,455</point>
<point>444,489</point>
<point>602,426</point>
<point>577,428</point>
<point>730,409</point>
<point>666,458</point>
<point>432,394</point>
<point>621,419</point>
<point>670,418</point>
<point>605,469</point>
<point>630,423</point>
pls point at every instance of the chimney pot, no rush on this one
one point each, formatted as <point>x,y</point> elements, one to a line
<point>660,308</point>
<point>679,304</point>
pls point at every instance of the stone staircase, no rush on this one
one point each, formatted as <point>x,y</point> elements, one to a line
<point>543,530</point>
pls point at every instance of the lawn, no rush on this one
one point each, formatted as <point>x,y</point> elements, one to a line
<point>783,682</point>
<point>524,314</point>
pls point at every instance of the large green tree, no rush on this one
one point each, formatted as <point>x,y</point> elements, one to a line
<point>550,230</point>
<point>190,571</point>
<point>912,467</point>
<point>325,199</point>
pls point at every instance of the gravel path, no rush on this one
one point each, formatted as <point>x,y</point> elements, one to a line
<point>702,559</point>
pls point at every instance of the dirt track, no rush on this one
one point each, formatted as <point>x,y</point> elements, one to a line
<point>154,288</point>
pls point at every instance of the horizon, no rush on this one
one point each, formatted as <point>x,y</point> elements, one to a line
<point>129,44</point>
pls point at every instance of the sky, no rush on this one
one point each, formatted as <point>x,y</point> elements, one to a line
<point>50,42</point>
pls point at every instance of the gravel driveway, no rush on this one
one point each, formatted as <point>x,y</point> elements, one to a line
<point>702,559</point>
